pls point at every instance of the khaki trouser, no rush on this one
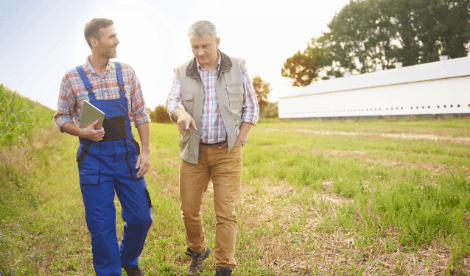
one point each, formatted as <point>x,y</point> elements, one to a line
<point>225,171</point>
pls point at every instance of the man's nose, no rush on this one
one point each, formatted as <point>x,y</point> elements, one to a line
<point>200,52</point>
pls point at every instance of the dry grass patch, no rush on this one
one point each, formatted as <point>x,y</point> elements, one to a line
<point>296,239</point>
<point>401,136</point>
<point>284,228</point>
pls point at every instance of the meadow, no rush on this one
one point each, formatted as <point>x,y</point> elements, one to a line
<point>372,197</point>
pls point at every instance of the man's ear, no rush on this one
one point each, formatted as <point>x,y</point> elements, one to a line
<point>94,41</point>
<point>217,41</point>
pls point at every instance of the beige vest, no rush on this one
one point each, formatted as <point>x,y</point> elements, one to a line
<point>229,91</point>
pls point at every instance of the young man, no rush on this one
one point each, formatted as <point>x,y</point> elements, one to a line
<point>109,158</point>
<point>215,106</point>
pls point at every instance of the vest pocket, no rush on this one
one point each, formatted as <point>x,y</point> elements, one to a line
<point>188,102</point>
<point>235,96</point>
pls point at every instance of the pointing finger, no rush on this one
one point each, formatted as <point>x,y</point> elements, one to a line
<point>193,124</point>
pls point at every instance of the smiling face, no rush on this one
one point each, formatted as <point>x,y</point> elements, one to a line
<point>205,50</point>
<point>106,46</point>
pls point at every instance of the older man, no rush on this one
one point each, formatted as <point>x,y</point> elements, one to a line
<point>109,158</point>
<point>215,106</point>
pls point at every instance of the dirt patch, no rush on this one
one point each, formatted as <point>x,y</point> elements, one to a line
<point>401,136</point>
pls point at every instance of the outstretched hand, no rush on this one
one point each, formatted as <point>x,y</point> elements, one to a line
<point>185,122</point>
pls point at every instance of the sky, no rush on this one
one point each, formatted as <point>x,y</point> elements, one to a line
<point>41,39</point>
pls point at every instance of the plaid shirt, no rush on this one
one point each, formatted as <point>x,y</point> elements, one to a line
<point>212,126</point>
<point>73,93</point>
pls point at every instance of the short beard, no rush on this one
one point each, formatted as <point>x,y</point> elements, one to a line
<point>109,55</point>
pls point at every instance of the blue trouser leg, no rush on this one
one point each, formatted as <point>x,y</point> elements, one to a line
<point>114,172</point>
<point>101,220</point>
<point>136,214</point>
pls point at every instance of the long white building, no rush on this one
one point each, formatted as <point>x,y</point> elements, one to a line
<point>435,88</point>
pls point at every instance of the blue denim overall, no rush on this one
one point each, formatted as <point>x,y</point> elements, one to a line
<point>107,167</point>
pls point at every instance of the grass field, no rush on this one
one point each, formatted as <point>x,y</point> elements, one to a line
<point>318,198</point>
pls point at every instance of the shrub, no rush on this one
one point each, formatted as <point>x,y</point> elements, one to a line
<point>160,115</point>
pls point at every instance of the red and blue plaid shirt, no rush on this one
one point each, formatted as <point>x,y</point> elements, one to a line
<point>73,93</point>
<point>212,126</point>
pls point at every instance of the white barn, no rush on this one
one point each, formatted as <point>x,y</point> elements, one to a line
<point>435,88</point>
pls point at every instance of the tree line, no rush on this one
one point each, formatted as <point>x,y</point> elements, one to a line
<point>367,34</point>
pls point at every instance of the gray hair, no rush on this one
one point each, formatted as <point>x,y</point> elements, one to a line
<point>201,28</point>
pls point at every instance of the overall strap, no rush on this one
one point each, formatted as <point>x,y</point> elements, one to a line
<point>84,78</point>
<point>119,76</point>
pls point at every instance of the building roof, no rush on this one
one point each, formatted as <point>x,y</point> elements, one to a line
<point>458,67</point>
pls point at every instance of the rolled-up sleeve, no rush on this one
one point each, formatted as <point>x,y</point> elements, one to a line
<point>174,98</point>
<point>139,110</point>
<point>65,105</point>
<point>250,103</point>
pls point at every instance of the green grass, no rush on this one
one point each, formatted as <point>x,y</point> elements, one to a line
<point>312,204</point>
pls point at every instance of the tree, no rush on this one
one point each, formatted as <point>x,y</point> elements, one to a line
<point>453,28</point>
<point>360,37</point>
<point>366,34</point>
<point>270,111</point>
<point>402,16</point>
<point>262,90</point>
<point>160,115</point>
<point>303,68</point>
<point>429,28</point>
